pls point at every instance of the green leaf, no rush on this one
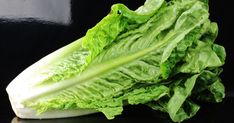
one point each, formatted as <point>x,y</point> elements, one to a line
<point>181,93</point>
<point>201,57</point>
<point>145,95</point>
<point>209,87</point>
<point>176,51</point>
<point>119,20</point>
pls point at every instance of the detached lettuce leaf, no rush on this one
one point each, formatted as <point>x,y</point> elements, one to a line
<point>162,55</point>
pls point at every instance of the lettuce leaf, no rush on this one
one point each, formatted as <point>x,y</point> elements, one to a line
<point>162,55</point>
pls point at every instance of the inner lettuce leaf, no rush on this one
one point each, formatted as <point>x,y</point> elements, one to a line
<point>162,55</point>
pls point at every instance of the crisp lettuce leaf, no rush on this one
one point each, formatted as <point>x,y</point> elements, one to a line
<point>181,92</point>
<point>203,56</point>
<point>119,20</point>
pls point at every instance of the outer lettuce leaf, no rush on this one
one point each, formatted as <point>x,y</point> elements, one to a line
<point>174,106</point>
<point>205,86</point>
<point>175,52</point>
<point>119,20</point>
<point>202,57</point>
<point>209,87</point>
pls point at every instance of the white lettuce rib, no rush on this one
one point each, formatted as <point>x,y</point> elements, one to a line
<point>21,88</point>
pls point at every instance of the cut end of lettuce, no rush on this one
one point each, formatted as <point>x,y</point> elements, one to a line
<point>162,55</point>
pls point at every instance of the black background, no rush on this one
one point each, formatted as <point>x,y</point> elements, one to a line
<point>24,42</point>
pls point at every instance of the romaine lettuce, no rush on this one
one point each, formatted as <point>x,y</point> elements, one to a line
<point>162,55</point>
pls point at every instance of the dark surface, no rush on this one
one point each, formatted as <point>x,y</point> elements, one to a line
<point>30,30</point>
